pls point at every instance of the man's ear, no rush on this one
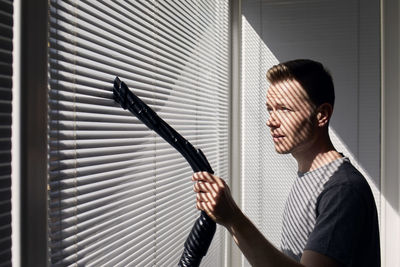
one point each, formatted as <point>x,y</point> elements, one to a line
<point>324,113</point>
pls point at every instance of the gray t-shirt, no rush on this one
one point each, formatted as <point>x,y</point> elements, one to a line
<point>331,210</point>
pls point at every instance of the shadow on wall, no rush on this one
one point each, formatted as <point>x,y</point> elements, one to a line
<point>345,37</point>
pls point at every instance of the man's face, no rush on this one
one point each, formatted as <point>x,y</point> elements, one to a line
<point>291,117</point>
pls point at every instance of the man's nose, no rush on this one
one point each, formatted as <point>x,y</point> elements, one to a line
<point>273,121</point>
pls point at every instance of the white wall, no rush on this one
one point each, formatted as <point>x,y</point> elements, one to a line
<point>390,226</point>
<point>345,36</point>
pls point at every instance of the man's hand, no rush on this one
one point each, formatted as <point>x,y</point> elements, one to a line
<point>214,197</point>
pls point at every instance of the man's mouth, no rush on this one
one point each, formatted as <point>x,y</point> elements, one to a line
<point>277,137</point>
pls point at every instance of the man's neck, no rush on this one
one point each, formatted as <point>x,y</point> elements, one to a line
<point>315,156</point>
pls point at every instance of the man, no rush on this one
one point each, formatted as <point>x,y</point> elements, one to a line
<point>330,218</point>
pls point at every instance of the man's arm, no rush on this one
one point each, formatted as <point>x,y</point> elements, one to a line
<point>314,259</point>
<point>254,246</point>
<point>213,196</point>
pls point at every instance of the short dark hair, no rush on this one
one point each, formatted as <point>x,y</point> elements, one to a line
<point>312,75</point>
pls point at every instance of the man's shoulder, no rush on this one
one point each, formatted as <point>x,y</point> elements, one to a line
<point>347,176</point>
<point>349,185</point>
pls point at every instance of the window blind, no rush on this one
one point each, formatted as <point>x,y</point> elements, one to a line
<point>118,194</point>
<point>6,48</point>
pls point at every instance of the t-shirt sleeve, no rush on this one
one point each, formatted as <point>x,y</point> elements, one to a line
<point>340,216</point>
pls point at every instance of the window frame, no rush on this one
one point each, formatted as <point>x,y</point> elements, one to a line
<point>32,156</point>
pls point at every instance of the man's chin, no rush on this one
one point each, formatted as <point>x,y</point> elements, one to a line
<point>282,151</point>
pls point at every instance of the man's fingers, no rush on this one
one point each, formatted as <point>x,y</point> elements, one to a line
<point>201,187</point>
<point>198,176</point>
<point>194,177</point>
<point>204,206</point>
<point>209,177</point>
<point>214,179</point>
<point>205,187</point>
<point>203,176</point>
<point>205,197</point>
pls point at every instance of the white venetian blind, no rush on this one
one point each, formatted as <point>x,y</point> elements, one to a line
<point>119,195</point>
<point>6,48</point>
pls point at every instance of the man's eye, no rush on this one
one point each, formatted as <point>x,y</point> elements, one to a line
<point>285,109</point>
